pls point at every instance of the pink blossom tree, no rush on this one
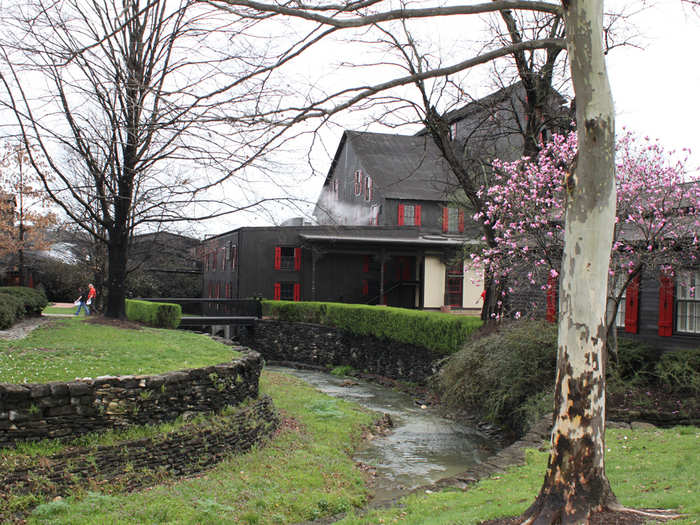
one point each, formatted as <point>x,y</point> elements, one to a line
<point>656,225</point>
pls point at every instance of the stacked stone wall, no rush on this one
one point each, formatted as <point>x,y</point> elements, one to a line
<point>61,409</point>
<point>320,345</point>
<point>144,462</point>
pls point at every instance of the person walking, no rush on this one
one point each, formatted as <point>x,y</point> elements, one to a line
<point>81,301</point>
<point>92,293</point>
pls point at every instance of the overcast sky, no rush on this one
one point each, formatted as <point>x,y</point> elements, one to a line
<point>654,89</point>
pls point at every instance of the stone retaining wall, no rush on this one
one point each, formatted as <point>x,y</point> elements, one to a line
<point>320,345</point>
<point>143,462</point>
<point>60,409</point>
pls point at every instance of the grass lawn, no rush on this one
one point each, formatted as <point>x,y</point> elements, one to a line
<point>306,472</point>
<point>646,468</point>
<point>61,310</point>
<point>70,348</point>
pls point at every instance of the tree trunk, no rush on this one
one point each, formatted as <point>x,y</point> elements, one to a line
<point>575,483</point>
<point>116,274</point>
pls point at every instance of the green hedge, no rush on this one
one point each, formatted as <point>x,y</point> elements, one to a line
<point>441,333</point>
<point>160,315</point>
<point>19,301</point>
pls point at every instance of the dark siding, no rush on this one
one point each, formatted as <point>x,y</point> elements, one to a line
<point>649,320</point>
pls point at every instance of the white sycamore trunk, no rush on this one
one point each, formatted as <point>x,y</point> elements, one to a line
<point>575,483</point>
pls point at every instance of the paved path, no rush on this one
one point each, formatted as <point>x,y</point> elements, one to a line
<point>21,329</point>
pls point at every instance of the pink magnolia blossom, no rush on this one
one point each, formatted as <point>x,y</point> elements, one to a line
<point>656,227</point>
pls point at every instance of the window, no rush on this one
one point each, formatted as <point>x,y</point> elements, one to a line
<point>688,302</point>
<point>374,215</point>
<point>287,291</point>
<point>287,258</point>
<point>452,220</point>
<point>409,214</point>
<point>335,189</point>
<point>453,130</point>
<point>231,255</point>
<point>358,182</point>
<point>368,188</point>
<point>620,319</point>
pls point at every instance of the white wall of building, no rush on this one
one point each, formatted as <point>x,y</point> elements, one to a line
<point>434,284</point>
<point>472,287</point>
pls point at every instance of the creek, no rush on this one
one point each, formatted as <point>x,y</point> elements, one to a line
<point>422,446</point>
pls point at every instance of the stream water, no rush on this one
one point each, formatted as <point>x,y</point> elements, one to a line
<point>423,446</point>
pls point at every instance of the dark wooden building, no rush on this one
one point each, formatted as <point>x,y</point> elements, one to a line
<point>395,266</point>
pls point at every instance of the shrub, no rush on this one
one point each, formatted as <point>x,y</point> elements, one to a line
<point>505,377</point>
<point>441,333</point>
<point>62,280</point>
<point>679,371</point>
<point>634,359</point>
<point>11,309</point>
<point>160,315</point>
<point>33,300</point>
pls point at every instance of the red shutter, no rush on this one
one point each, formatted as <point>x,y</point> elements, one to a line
<point>365,264</point>
<point>461,221</point>
<point>297,292</point>
<point>278,292</point>
<point>278,257</point>
<point>666,306</point>
<point>365,287</point>
<point>445,219</point>
<point>370,187</point>
<point>297,259</point>
<point>632,306</point>
<point>417,217</point>
<point>551,299</point>
<point>400,214</point>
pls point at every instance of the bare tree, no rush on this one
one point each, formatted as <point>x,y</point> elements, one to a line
<point>126,101</point>
<point>575,484</point>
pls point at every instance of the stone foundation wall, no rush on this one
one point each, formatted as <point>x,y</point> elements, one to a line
<point>60,409</point>
<point>320,345</point>
<point>144,462</point>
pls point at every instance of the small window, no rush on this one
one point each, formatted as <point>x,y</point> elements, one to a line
<point>358,182</point>
<point>287,291</point>
<point>409,215</point>
<point>374,215</point>
<point>688,302</point>
<point>453,131</point>
<point>368,188</point>
<point>286,258</point>
<point>452,220</point>
<point>620,318</point>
